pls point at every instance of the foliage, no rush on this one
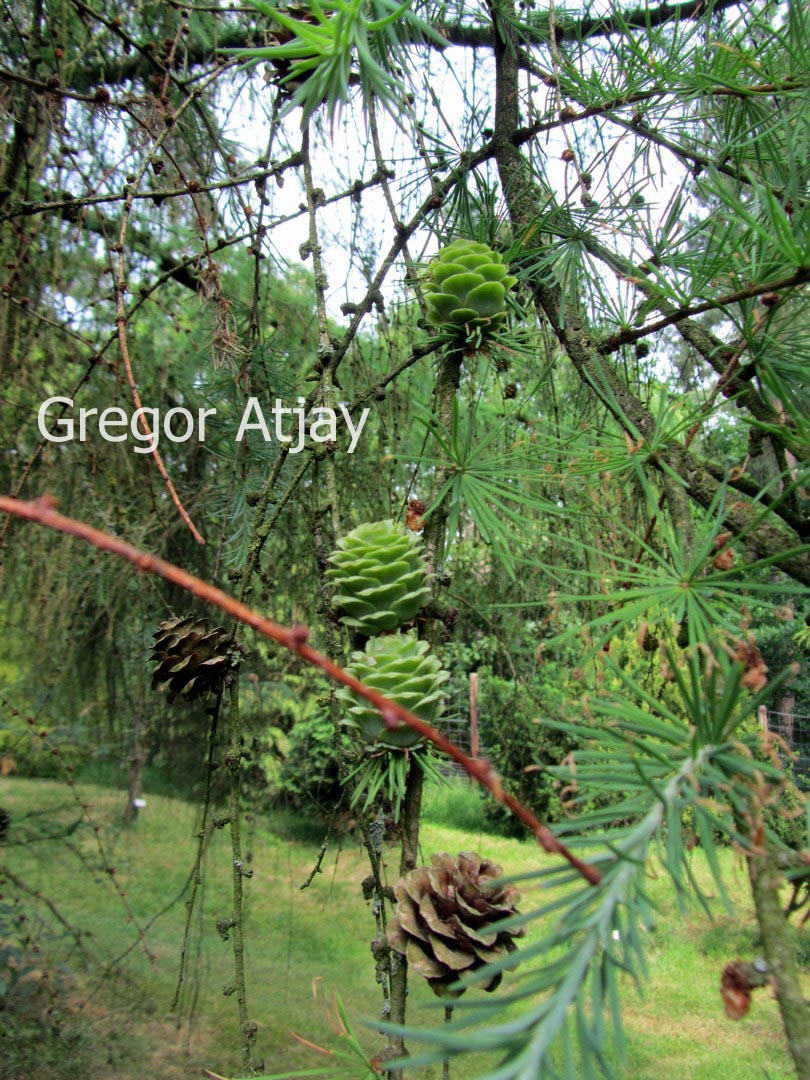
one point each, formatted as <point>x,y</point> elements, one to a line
<point>522,748</point>
<point>787,818</point>
<point>318,57</point>
<point>308,778</point>
<point>290,739</point>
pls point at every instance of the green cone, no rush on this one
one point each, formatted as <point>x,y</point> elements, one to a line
<point>378,576</point>
<point>466,288</point>
<point>403,668</point>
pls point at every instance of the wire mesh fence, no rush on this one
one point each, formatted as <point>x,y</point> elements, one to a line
<point>795,730</point>
<point>456,728</point>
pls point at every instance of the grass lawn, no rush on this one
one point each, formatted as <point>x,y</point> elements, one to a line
<point>302,948</point>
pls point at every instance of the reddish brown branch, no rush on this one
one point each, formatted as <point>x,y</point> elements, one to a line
<point>43,512</point>
<point>122,338</point>
<point>121,316</point>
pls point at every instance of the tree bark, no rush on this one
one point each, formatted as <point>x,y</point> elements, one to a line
<point>780,953</point>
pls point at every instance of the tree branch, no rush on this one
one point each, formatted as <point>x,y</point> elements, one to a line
<point>43,512</point>
<point>198,51</point>
<point>688,311</point>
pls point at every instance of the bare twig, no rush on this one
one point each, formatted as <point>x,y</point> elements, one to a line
<point>77,934</point>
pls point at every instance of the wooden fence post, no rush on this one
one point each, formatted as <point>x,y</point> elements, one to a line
<point>474,713</point>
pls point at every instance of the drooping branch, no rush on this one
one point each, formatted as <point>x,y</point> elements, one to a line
<point>121,318</point>
<point>43,512</point>
<point>569,28</point>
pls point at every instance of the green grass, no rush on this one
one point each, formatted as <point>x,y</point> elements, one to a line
<point>457,804</point>
<point>305,946</point>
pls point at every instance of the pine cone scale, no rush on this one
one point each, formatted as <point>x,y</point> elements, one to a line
<point>422,962</point>
<point>466,930</point>
<point>435,922</point>
<point>455,959</point>
<point>406,912</point>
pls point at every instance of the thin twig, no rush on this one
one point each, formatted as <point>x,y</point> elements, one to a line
<point>203,835</point>
<point>77,934</point>
<point>121,315</point>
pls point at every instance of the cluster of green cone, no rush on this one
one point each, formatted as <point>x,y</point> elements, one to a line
<point>466,287</point>
<point>380,582</point>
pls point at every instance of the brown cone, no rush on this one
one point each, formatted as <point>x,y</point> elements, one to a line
<point>447,916</point>
<point>191,657</point>
<point>737,982</point>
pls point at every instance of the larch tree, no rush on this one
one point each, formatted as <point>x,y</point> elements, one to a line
<point>531,285</point>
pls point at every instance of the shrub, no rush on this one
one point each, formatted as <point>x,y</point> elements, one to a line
<point>515,740</point>
<point>28,753</point>
<point>308,777</point>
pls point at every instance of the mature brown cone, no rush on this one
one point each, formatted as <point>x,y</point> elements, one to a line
<point>447,916</point>
<point>192,657</point>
